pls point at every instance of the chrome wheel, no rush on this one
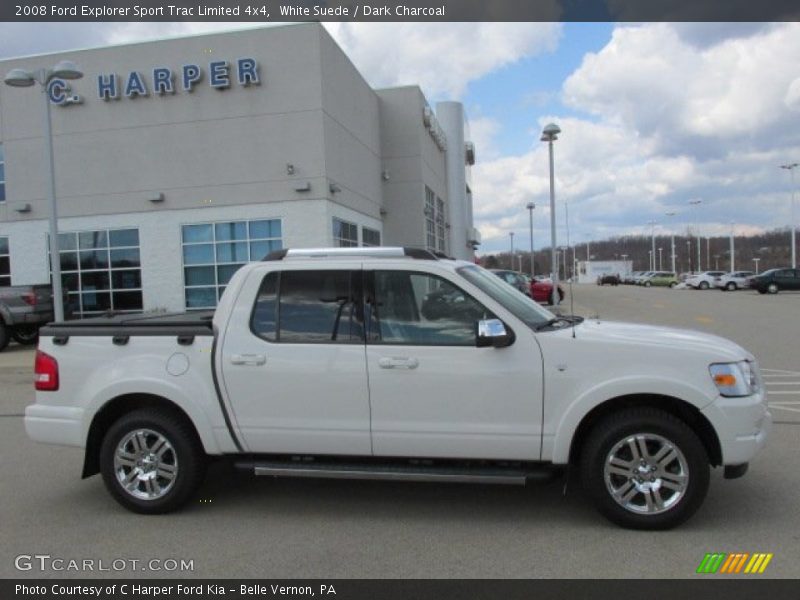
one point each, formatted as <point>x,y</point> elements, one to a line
<point>145,464</point>
<point>645,473</point>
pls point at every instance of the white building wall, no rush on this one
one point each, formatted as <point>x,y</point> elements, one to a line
<point>589,271</point>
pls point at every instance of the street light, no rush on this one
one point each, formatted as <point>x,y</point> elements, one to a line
<point>696,204</point>
<point>653,250</point>
<point>672,242</point>
<point>791,167</point>
<point>755,260</point>
<point>24,78</point>
<point>511,236</point>
<point>660,263</point>
<point>530,206</point>
<point>733,252</point>
<point>549,135</point>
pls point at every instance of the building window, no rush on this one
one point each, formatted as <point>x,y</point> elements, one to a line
<point>213,252</point>
<point>430,218</point>
<point>5,263</point>
<point>101,270</point>
<point>345,235</point>
<point>370,237</point>
<point>441,244</point>
<point>2,175</point>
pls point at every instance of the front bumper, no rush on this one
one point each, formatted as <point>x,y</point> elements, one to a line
<point>61,425</point>
<point>742,424</point>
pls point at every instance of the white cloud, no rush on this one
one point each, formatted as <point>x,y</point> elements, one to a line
<point>442,57</point>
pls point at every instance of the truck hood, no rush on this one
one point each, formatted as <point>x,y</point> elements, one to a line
<point>716,348</point>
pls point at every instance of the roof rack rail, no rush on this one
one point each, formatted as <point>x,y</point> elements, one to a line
<point>366,252</point>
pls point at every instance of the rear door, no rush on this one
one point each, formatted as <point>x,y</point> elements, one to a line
<point>433,393</point>
<point>293,362</point>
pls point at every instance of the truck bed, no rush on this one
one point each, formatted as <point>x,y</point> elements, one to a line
<point>172,324</point>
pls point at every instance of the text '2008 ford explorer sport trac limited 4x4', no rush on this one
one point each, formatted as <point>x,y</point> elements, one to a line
<point>391,363</point>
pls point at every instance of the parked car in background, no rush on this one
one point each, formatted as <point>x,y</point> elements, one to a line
<point>23,310</point>
<point>776,280</point>
<point>737,280</point>
<point>518,280</point>
<point>661,279</point>
<point>630,278</point>
<point>642,276</point>
<point>704,280</point>
<point>542,290</point>
<point>608,279</point>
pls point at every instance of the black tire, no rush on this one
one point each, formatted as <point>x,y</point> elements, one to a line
<point>659,425</point>
<point>731,286</point>
<point>673,284</point>
<point>647,284</point>
<point>762,291</point>
<point>5,338</point>
<point>773,288</point>
<point>703,285</point>
<point>26,335</point>
<point>185,454</point>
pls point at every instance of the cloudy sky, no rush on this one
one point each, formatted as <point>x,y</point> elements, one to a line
<point>653,115</point>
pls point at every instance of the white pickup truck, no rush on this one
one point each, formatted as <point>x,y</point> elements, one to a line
<point>391,363</point>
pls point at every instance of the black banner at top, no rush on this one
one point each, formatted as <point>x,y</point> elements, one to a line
<point>265,11</point>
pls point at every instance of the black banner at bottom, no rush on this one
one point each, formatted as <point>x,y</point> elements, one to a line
<point>391,589</point>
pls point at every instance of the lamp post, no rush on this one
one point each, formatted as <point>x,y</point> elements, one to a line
<point>672,243</point>
<point>696,204</point>
<point>755,260</point>
<point>660,263</point>
<point>549,135</point>
<point>733,255</point>
<point>24,78</point>
<point>511,237</point>
<point>791,167</point>
<point>530,206</point>
<point>689,254</point>
<point>653,243</point>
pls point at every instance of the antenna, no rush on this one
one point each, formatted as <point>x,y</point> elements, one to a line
<point>571,295</point>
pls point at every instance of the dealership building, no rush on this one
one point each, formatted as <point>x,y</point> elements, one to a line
<point>177,161</point>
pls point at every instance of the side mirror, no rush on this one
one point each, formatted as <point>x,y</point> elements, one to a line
<point>492,332</point>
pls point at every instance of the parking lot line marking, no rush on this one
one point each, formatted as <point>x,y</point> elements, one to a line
<point>785,393</point>
<point>782,382</point>
<point>784,371</point>
<point>789,408</point>
<point>784,402</point>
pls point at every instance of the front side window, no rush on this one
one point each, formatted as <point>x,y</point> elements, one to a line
<point>101,270</point>
<point>345,234</point>
<point>411,308</point>
<point>309,307</point>
<point>2,175</point>
<point>5,263</point>
<point>213,252</point>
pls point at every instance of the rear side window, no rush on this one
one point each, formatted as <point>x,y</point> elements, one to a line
<point>309,307</point>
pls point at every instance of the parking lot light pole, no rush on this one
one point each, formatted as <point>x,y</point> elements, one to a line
<point>660,263</point>
<point>653,242</point>
<point>696,204</point>
<point>732,250</point>
<point>530,206</point>
<point>24,78</point>
<point>755,260</point>
<point>791,167</point>
<point>511,237</point>
<point>672,243</point>
<point>549,135</point>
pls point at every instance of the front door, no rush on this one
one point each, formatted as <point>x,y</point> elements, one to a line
<point>293,363</point>
<point>433,393</point>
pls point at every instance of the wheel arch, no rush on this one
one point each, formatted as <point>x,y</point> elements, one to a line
<point>116,408</point>
<point>681,409</point>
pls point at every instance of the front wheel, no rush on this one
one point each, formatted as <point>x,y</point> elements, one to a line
<point>5,337</point>
<point>647,284</point>
<point>673,284</point>
<point>645,469</point>
<point>151,461</point>
<point>772,288</point>
<point>731,287</point>
<point>703,285</point>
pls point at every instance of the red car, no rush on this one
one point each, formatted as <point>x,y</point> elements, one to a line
<point>542,289</point>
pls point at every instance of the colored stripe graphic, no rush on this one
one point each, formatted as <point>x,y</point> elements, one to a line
<point>711,562</point>
<point>735,562</point>
<point>759,562</point>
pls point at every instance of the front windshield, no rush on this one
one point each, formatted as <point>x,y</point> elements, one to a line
<point>519,305</point>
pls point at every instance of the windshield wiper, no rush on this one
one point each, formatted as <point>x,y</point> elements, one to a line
<point>566,319</point>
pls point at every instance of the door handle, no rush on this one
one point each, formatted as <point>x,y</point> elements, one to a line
<point>248,359</point>
<point>398,362</point>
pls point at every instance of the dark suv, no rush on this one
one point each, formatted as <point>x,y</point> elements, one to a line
<point>775,280</point>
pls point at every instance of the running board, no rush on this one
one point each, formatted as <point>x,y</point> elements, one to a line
<point>400,472</point>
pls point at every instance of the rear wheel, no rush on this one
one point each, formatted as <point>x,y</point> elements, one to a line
<point>645,469</point>
<point>647,284</point>
<point>4,336</point>
<point>26,334</point>
<point>152,461</point>
<point>772,288</point>
<point>703,285</point>
<point>731,287</point>
<point>673,284</point>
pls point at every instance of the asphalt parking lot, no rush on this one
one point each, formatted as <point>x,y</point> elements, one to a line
<point>242,526</point>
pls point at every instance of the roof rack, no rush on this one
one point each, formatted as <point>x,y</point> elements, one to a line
<point>365,252</point>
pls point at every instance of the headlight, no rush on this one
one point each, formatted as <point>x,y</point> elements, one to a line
<point>735,379</point>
